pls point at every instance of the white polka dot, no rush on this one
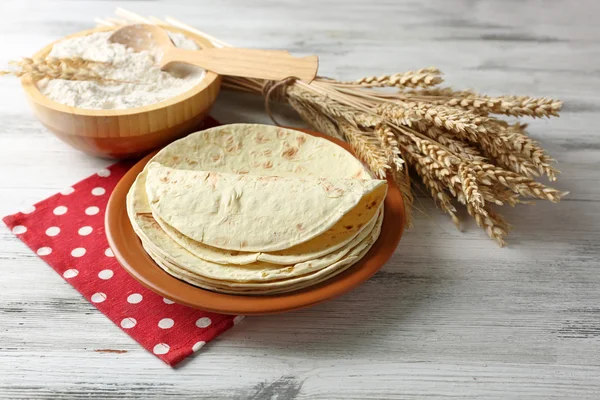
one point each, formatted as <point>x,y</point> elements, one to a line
<point>98,191</point>
<point>60,210</point>
<point>92,210</point>
<point>67,191</point>
<point>161,348</point>
<point>128,323</point>
<point>17,230</point>
<point>53,231</point>
<point>98,297</point>
<point>85,230</point>
<point>238,319</point>
<point>109,253</point>
<point>44,251</point>
<point>167,301</point>
<point>203,322</point>
<point>198,345</point>
<point>134,298</point>
<point>78,252</point>
<point>28,210</point>
<point>104,173</point>
<point>105,274</point>
<point>166,323</point>
<point>70,273</point>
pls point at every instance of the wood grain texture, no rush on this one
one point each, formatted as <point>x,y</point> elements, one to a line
<point>450,316</point>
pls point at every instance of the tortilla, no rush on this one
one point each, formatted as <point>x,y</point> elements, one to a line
<point>160,243</point>
<point>255,213</point>
<point>265,288</point>
<point>261,150</point>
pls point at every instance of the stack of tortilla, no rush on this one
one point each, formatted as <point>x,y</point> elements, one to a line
<point>255,209</point>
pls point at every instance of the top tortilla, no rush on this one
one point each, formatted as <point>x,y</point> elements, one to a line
<point>261,150</point>
<point>250,212</point>
<point>270,151</point>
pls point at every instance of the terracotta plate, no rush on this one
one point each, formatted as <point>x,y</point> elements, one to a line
<point>130,253</point>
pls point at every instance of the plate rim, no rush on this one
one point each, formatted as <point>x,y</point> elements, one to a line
<point>133,258</point>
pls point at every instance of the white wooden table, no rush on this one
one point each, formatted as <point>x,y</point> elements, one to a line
<point>450,316</point>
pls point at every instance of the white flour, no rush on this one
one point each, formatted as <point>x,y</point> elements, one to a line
<point>148,83</point>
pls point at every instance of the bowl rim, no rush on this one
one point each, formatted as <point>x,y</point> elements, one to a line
<point>132,257</point>
<point>31,89</point>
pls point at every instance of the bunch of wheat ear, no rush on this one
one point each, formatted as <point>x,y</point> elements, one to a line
<point>461,152</point>
<point>76,69</point>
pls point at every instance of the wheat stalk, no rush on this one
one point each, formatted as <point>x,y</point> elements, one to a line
<point>517,106</point>
<point>421,78</point>
<point>462,153</point>
<point>76,69</point>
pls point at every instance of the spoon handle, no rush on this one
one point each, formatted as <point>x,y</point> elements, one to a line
<point>249,63</point>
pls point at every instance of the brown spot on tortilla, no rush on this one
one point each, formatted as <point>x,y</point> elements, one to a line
<point>215,157</point>
<point>244,243</point>
<point>268,178</point>
<point>192,162</point>
<point>232,146</point>
<point>358,174</point>
<point>243,171</point>
<point>289,152</point>
<point>300,228</point>
<point>175,158</point>
<point>268,164</point>
<point>301,139</point>
<point>372,204</point>
<point>349,227</point>
<point>331,190</point>
<point>289,269</point>
<point>267,152</point>
<point>212,179</point>
<point>164,179</point>
<point>260,138</point>
<point>282,134</point>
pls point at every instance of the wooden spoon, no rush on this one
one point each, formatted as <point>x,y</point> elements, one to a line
<point>262,64</point>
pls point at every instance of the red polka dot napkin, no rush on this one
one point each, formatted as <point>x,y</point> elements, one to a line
<point>67,231</point>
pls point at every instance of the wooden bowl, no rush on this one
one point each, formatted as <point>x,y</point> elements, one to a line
<point>128,250</point>
<point>130,132</point>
